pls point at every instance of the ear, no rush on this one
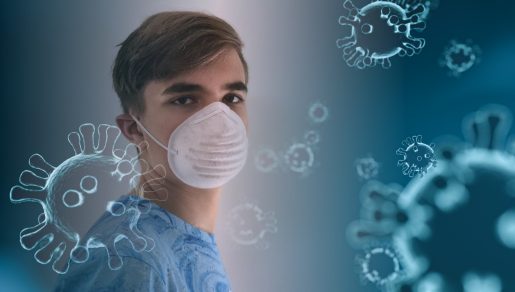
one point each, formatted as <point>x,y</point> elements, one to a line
<point>129,128</point>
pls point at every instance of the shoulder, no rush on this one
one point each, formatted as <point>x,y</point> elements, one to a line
<point>96,275</point>
<point>124,253</point>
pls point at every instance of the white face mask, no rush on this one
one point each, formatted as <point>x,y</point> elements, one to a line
<point>209,148</point>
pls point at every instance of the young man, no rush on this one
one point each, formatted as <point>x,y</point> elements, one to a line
<point>182,81</point>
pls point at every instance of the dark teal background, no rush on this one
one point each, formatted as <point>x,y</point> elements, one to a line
<point>53,81</point>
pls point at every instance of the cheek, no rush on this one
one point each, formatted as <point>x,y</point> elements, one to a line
<point>167,124</point>
<point>246,122</point>
<point>242,113</point>
<point>156,156</point>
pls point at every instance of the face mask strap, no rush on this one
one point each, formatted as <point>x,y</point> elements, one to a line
<point>151,136</point>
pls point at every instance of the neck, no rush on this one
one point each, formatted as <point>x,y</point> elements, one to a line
<point>198,207</point>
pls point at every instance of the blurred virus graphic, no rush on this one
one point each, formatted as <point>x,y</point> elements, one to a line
<point>367,167</point>
<point>249,225</point>
<point>318,112</point>
<point>459,57</point>
<point>454,228</point>
<point>429,5</point>
<point>378,31</point>
<point>417,157</point>
<point>266,160</point>
<point>74,194</point>
<point>311,137</point>
<point>299,158</point>
<point>380,265</point>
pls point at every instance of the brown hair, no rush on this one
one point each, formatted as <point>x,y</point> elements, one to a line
<point>165,45</point>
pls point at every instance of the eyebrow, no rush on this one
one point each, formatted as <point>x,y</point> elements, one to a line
<point>182,87</point>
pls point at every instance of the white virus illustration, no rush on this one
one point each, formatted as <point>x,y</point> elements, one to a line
<point>367,167</point>
<point>266,160</point>
<point>379,31</point>
<point>318,112</point>
<point>299,158</point>
<point>380,266</point>
<point>459,57</point>
<point>249,225</point>
<point>311,137</point>
<point>74,194</point>
<point>429,5</point>
<point>417,156</point>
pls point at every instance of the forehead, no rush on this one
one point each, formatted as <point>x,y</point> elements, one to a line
<point>225,67</point>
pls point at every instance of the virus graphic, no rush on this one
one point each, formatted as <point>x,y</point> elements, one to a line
<point>410,4</point>
<point>378,213</point>
<point>367,167</point>
<point>248,225</point>
<point>417,157</point>
<point>380,266</point>
<point>459,57</point>
<point>454,227</point>
<point>299,158</point>
<point>74,194</point>
<point>311,137</point>
<point>266,160</point>
<point>318,113</point>
<point>379,31</point>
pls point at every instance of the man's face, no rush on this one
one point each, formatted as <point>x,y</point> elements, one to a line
<point>169,102</point>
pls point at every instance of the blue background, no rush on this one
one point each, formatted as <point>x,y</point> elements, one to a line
<point>56,57</point>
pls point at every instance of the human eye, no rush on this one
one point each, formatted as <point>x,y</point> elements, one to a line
<point>233,98</point>
<point>183,100</point>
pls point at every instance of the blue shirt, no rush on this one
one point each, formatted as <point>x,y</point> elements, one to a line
<point>184,258</point>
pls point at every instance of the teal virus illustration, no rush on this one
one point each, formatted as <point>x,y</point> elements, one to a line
<point>318,112</point>
<point>248,225</point>
<point>379,31</point>
<point>417,156</point>
<point>311,137</point>
<point>299,158</point>
<point>380,266</point>
<point>75,193</point>
<point>454,228</point>
<point>429,5</point>
<point>459,57</point>
<point>266,160</point>
<point>367,167</point>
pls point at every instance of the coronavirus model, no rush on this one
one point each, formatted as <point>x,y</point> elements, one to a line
<point>378,31</point>
<point>459,57</point>
<point>417,156</point>
<point>249,225</point>
<point>311,137</point>
<point>429,5</point>
<point>318,112</point>
<point>380,266</point>
<point>266,160</point>
<point>453,229</point>
<point>367,167</point>
<point>74,194</point>
<point>299,158</point>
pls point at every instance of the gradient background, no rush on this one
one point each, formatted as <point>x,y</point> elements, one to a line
<point>56,61</point>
